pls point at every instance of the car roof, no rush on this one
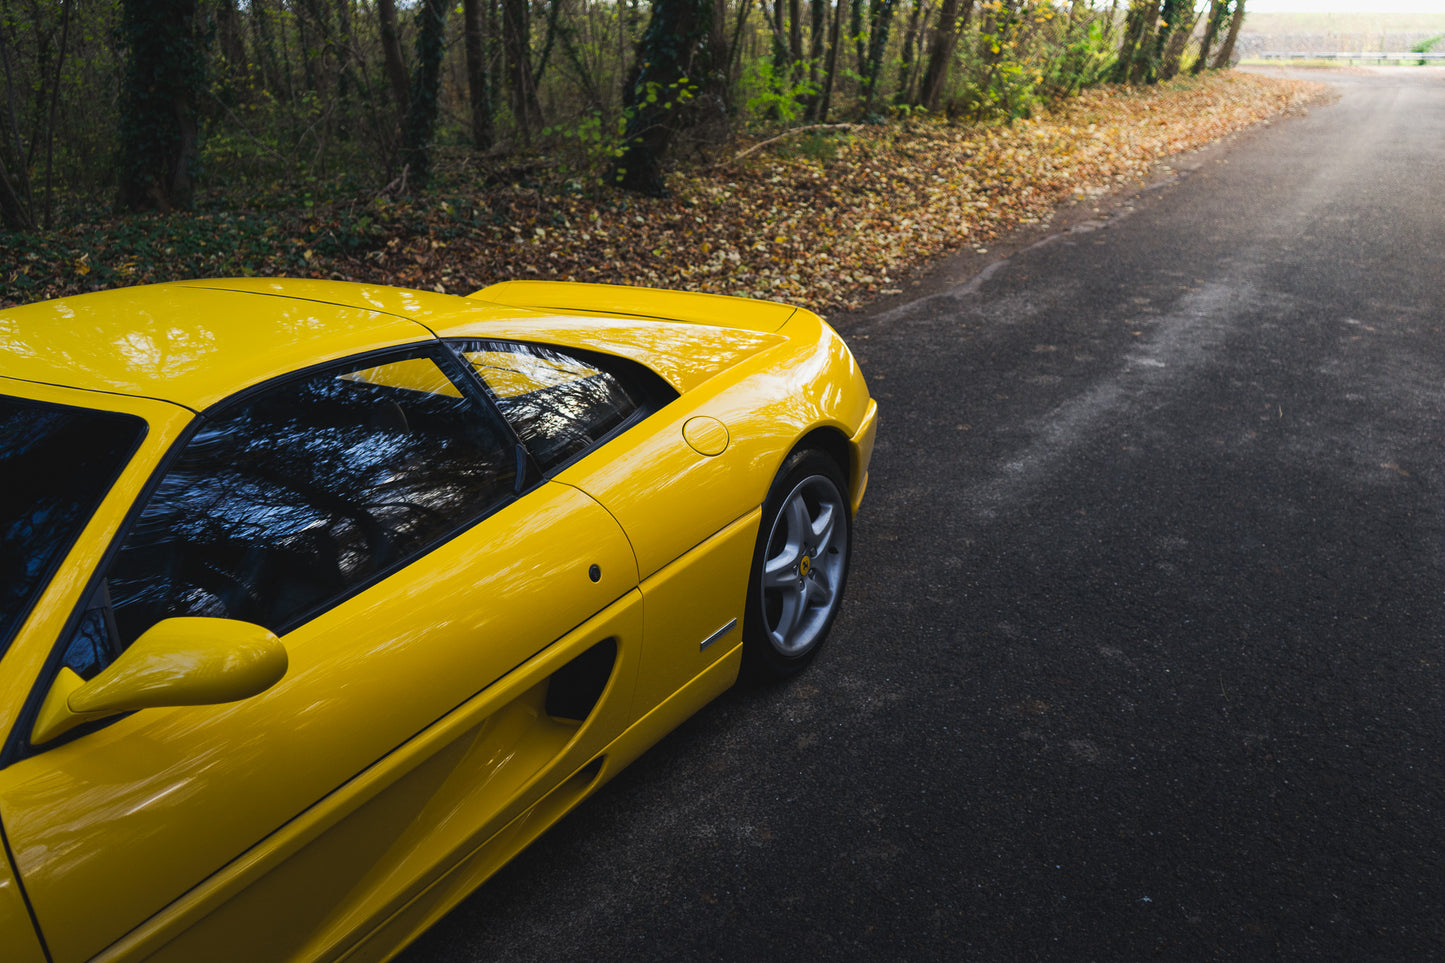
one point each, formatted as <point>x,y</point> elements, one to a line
<point>191,343</point>
<point>194,343</point>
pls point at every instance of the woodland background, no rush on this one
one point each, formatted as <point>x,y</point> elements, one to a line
<point>422,141</point>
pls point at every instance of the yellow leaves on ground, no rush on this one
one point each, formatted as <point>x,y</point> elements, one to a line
<point>827,228</point>
<point>830,233</point>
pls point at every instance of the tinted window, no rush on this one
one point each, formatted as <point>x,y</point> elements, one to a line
<point>560,405</point>
<point>296,496</point>
<point>56,464</point>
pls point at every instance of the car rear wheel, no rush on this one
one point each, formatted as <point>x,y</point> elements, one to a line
<point>800,565</point>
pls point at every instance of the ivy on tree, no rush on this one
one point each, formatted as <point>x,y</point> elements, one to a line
<point>655,88</point>
<point>160,127</point>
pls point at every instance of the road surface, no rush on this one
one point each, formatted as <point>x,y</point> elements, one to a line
<point>1142,656</point>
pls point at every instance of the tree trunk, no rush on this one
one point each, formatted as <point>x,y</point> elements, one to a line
<point>391,52</point>
<point>1134,38</point>
<point>15,196</point>
<point>712,72</point>
<point>906,56</point>
<point>1170,31</point>
<point>735,48</point>
<point>265,47</point>
<point>554,14</point>
<point>421,120</point>
<point>14,210</point>
<point>303,19</point>
<point>1217,11</point>
<point>818,28</point>
<point>346,84</point>
<point>159,128</point>
<point>478,89</point>
<point>233,46</point>
<point>830,71</point>
<point>662,62</point>
<point>517,41</point>
<point>795,37</point>
<point>1145,65</point>
<point>879,20</point>
<point>855,30</point>
<point>951,18</point>
<point>1236,20</point>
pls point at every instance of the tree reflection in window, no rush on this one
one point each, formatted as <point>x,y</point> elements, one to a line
<point>559,405</point>
<point>299,495</point>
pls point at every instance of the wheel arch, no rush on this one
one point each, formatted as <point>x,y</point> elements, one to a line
<point>835,444</point>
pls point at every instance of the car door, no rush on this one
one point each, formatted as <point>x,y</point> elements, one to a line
<point>462,639</point>
<point>679,487</point>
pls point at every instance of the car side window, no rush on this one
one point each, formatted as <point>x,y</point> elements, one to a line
<point>59,463</point>
<point>295,496</point>
<point>562,404</point>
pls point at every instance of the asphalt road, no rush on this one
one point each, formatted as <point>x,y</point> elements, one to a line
<point>1142,656</point>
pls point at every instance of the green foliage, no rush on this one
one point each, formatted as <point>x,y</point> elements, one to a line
<point>1003,60</point>
<point>771,96</point>
<point>1085,59</point>
<point>296,103</point>
<point>589,148</point>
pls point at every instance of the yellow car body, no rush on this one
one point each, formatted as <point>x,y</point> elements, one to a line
<point>327,788</point>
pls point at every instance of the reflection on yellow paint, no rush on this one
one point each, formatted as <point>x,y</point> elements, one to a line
<point>684,355</point>
<point>185,344</point>
<point>513,373</point>
<point>410,750</point>
<point>413,374</point>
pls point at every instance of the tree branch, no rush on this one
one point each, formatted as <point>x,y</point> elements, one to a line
<point>788,133</point>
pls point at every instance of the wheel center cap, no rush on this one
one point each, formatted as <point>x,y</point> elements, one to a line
<point>805,565</point>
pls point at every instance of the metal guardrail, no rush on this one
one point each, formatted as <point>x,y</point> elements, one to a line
<point>1341,55</point>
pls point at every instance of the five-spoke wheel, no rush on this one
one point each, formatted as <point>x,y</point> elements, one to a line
<point>800,565</point>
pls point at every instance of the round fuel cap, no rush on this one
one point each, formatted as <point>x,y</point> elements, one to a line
<point>706,435</point>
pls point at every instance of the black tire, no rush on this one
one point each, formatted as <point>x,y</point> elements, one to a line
<point>800,566</point>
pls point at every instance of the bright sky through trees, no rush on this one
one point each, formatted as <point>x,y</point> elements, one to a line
<point>1345,6</point>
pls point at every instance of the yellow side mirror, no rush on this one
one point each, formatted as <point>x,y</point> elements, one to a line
<point>176,662</point>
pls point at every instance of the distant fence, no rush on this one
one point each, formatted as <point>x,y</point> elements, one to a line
<point>1373,56</point>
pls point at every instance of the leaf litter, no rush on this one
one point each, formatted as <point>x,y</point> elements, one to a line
<point>828,227</point>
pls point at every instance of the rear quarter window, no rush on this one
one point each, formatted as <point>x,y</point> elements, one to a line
<point>564,404</point>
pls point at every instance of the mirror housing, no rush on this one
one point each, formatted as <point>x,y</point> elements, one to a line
<point>176,662</point>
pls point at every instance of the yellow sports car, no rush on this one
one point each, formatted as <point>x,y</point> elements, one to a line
<point>321,600</point>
